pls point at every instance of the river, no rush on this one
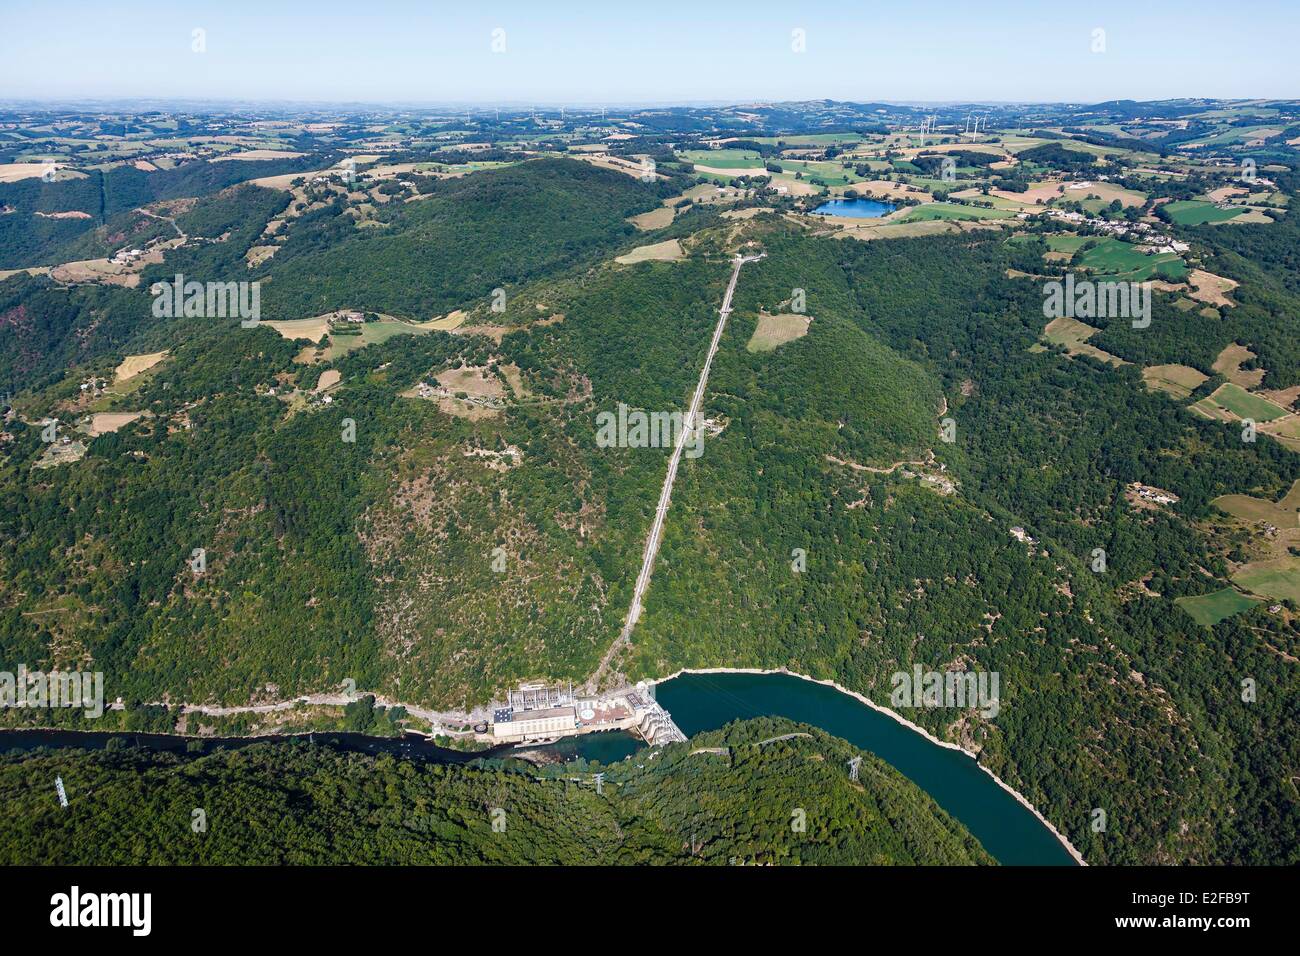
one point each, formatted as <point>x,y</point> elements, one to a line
<point>699,702</point>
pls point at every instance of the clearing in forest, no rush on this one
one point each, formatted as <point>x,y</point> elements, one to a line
<point>669,250</point>
<point>774,330</point>
<point>1176,380</point>
<point>1209,609</point>
<point>133,365</point>
<point>1074,335</point>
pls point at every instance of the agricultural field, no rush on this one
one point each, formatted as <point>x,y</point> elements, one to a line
<point>1074,335</point>
<point>133,365</point>
<point>670,250</point>
<point>1176,380</point>
<point>1208,610</point>
<point>724,159</point>
<point>1279,579</point>
<point>774,330</point>
<point>943,210</point>
<point>1229,364</point>
<point>1239,403</point>
<point>1284,513</point>
<point>654,219</point>
<point>1193,212</point>
<point>1112,259</point>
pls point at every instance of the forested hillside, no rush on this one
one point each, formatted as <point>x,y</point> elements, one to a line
<point>748,799</point>
<point>1112,698</point>
<point>470,236</point>
<point>911,477</point>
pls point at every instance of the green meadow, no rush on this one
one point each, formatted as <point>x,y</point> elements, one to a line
<point>945,210</point>
<point>1245,404</point>
<point>1194,212</point>
<point>1209,609</point>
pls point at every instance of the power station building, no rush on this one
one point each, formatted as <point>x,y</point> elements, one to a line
<point>515,726</point>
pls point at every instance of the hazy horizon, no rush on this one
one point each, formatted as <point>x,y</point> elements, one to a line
<point>406,53</point>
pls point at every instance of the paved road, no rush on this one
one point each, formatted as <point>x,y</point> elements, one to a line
<point>661,511</point>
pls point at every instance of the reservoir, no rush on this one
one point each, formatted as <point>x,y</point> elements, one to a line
<point>700,702</point>
<point>1008,830</point>
<point>855,208</point>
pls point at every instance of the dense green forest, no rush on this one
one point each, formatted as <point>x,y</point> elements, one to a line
<point>756,801</point>
<point>474,234</point>
<point>897,573</point>
<point>372,559</point>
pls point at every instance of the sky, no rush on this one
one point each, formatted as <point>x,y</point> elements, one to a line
<point>549,52</point>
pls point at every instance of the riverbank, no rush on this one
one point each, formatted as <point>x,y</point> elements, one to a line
<point>454,717</point>
<point>899,718</point>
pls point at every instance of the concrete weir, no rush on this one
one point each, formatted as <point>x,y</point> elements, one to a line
<point>657,726</point>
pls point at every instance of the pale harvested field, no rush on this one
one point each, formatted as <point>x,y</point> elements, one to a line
<point>259,254</point>
<point>883,189</point>
<point>255,154</point>
<point>774,330</point>
<point>747,213</point>
<point>1228,364</point>
<point>1225,192</point>
<point>900,230</point>
<point>31,271</point>
<point>13,172</point>
<point>1177,380</point>
<point>1210,288</point>
<point>619,165</point>
<point>95,270</point>
<point>733,173</point>
<point>1281,513</point>
<point>1044,191</point>
<point>654,219</point>
<point>1286,397</point>
<point>1286,430</point>
<point>911,152</point>
<point>1106,192</point>
<point>133,365</point>
<point>1074,335</point>
<point>473,381</point>
<point>1251,215</point>
<point>448,323</point>
<point>284,181</point>
<point>392,169</point>
<point>102,423</point>
<point>668,251</point>
<point>328,379</point>
<point>313,329</point>
<point>796,187</point>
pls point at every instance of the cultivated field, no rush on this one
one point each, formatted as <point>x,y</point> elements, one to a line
<point>654,219</point>
<point>1210,288</point>
<point>1241,404</point>
<point>668,251</point>
<point>774,330</point>
<point>133,365</point>
<point>1177,380</point>
<point>1229,362</point>
<point>1073,335</point>
<point>944,210</point>
<point>1193,212</point>
<point>312,329</point>
<point>1279,578</point>
<point>102,423</point>
<point>1209,609</point>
